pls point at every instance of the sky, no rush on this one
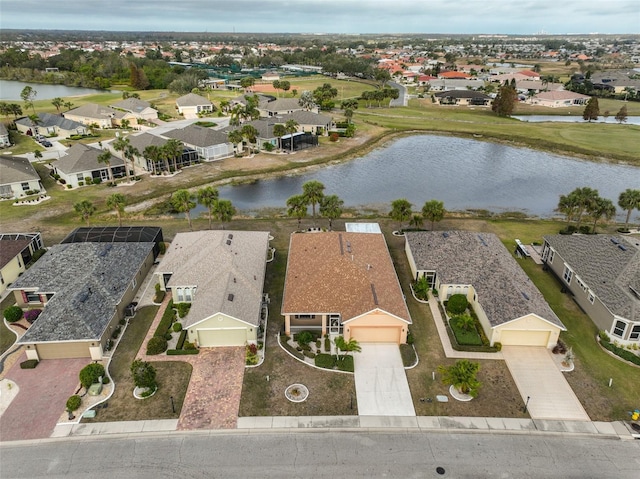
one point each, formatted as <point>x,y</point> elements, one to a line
<point>327,16</point>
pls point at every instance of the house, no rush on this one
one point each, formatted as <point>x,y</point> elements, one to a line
<point>117,234</point>
<point>221,274</point>
<point>442,84</point>
<point>81,162</point>
<point>141,109</point>
<point>344,283</point>
<point>4,136</point>
<point>308,122</point>
<point>211,145</point>
<point>83,290</point>
<point>602,273</point>
<point>558,99</point>
<point>192,105</point>
<point>279,107</point>
<point>423,80</point>
<point>509,307</point>
<point>454,75</point>
<point>16,251</point>
<point>264,127</point>
<point>270,76</point>
<point>104,117</point>
<point>141,141</point>
<point>49,124</point>
<point>462,97</point>
<point>18,178</point>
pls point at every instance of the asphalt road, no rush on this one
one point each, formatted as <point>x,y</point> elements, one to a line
<point>403,98</point>
<point>319,454</point>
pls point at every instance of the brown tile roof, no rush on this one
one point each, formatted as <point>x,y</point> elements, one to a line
<point>333,272</point>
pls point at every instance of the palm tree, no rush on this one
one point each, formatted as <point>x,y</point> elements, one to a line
<point>173,149</point>
<point>297,206</point>
<point>249,132</point>
<point>224,211</point>
<point>400,211</point>
<point>279,131</point>
<point>433,211</point>
<point>291,126</point>
<point>152,153</point>
<point>85,210</point>
<point>416,221</point>
<point>601,207</point>
<point>567,205</point>
<point>331,208</point>
<point>121,145</point>
<point>312,191</point>
<point>182,201</point>
<point>117,202</point>
<point>462,376</point>
<point>105,157</point>
<point>585,197</point>
<point>28,94</point>
<point>350,346</point>
<point>57,102</point>
<point>235,137</point>
<point>208,197</point>
<point>68,105</point>
<point>629,200</point>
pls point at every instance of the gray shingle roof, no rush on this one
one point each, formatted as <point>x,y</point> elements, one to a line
<point>191,99</point>
<point>195,135</point>
<point>14,169</point>
<point>133,105</point>
<point>141,141</point>
<point>606,269</point>
<point>205,260</point>
<point>304,117</point>
<point>263,125</point>
<point>463,257</point>
<point>93,110</point>
<point>49,120</point>
<point>88,281</point>
<point>281,104</point>
<point>462,94</point>
<point>81,157</point>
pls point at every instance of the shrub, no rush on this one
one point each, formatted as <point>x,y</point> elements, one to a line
<point>251,356</point>
<point>498,346</point>
<point>80,183</point>
<point>309,354</point>
<point>181,352</point>
<point>410,338</point>
<point>318,344</point>
<point>62,181</point>
<point>168,336</point>
<point>623,353</point>
<point>183,309</point>
<point>253,348</point>
<point>268,147</point>
<point>97,181</point>
<point>326,361</point>
<point>604,336</point>
<point>327,344</point>
<point>37,255</point>
<point>189,346</point>
<point>13,313</point>
<point>457,304</point>
<point>304,338</point>
<point>166,321</point>
<point>162,247</point>
<point>156,345</point>
<point>559,348</point>
<point>345,363</point>
<point>69,187</point>
<point>106,380</point>
<point>116,332</point>
<point>177,327</point>
<point>122,322</point>
<point>144,374</point>
<point>29,364</point>
<point>181,338</point>
<point>88,180</point>
<point>421,288</point>
<point>91,374</point>
<point>31,315</point>
<point>73,403</point>
<point>334,137</point>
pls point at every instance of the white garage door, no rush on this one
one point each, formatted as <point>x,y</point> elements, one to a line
<point>515,337</point>
<point>222,337</point>
<point>372,334</point>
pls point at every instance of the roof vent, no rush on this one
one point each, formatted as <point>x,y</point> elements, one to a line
<point>230,236</point>
<point>348,247</point>
<point>615,241</point>
<point>229,242</point>
<point>482,240</point>
<point>445,235</point>
<point>525,295</point>
<point>230,297</point>
<point>622,247</point>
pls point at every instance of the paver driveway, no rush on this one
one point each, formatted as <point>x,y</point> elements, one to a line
<point>381,383</point>
<point>537,377</point>
<point>44,391</point>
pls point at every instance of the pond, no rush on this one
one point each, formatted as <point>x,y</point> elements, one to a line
<point>10,90</point>
<point>464,173</point>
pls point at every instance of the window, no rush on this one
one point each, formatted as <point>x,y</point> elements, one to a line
<point>635,333</point>
<point>187,295</point>
<point>592,297</point>
<point>25,186</point>
<point>80,177</point>
<point>567,274</point>
<point>1,279</point>
<point>32,297</point>
<point>551,254</point>
<point>619,328</point>
<point>180,292</point>
<point>305,316</point>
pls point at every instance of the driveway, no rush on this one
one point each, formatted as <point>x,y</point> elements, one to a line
<point>538,378</point>
<point>42,396</point>
<point>381,383</point>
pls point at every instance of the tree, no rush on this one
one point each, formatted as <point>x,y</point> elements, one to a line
<point>462,376</point>
<point>276,85</point>
<point>331,208</point>
<point>68,105</point>
<point>416,221</point>
<point>224,211</point>
<point>174,149</point>
<point>312,191</point>
<point>584,199</point>
<point>182,201</point>
<point>348,114</point>
<point>297,206</point>
<point>279,131</point>
<point>568,206</point>
<point>621,116</point>
<point>505,101</point>
<point>208,197</point>
<point>235,137</point>
<point>105,157</point>
<point>381,77</point>
<point>350,346</point>
<point>307,100</point>
<point>117,202</point>
<point>601,207</point>
<point>465,322</point>
<point>592,110</point>
<point>37,154</point>
<point>57,102</point>
<point>250,133</point>
<point>285,86</point>
<point>246,82</point>
<point>291,126</point>
<point>128,151</point>
<point>629,200</point>
<point>84,209</point>
<point>124,124</point>
<point>433,211</point>
<point>400,211</point>
<point>153,153</point>
<point>143,374</point>
<point>28,94</point>
<point>91,374</point>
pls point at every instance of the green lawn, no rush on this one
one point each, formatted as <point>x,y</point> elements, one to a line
<point>7,338</point>
<point>465,337</point>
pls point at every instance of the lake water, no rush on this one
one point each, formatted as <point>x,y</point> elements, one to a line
<point>10,90</point>
<point>631,120</point>
<point>465,174</point>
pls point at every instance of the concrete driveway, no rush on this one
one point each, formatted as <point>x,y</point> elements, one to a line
<point>381,383</point>
<point>537,377</point>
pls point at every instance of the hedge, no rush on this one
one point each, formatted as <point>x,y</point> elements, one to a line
<point>288,347</point>
<point>29,364</point>
<point>180,352</point>
<point>408,355</point>
<point>181,338</point>
<point>621,352</point>
<point>326,361</point>
<point>156,345</point>
<point>345,363</point>
<point>166,321</point>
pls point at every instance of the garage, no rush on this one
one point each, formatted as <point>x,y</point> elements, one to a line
<point>63,350</point>
<point>521,337</point>
<point>376,334</point>
<point>222,337</point>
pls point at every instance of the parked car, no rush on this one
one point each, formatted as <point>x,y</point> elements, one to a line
<point>46,143</point>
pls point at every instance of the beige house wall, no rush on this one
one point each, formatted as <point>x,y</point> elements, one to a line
<point>529,323</point>
<point>101,122</point>
<point>387,323</point>
<point>11,271</point>
<point>222,322</point>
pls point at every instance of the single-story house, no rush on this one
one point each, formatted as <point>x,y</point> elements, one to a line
<point>18,177</point>
<point>4,136</point>
<point>508,305</point>
<point>83,290</point>
<point>454,75</point>
<point>279,107</point>
<point>462,97</point>
<point>558,99</point>
<point>308,122</point>
<point>192,105</point>
<point>141,109</point>
<point>103,116</point>
<point>211,145</point>
<point>49,124</point>
<point>442,84</point>
<point>117,234</point>
<point>221,274</point>
<point>81,162</point>
<point>16,250</point>
<point>143,140</point>
<point>264,127</point>
<point>344,283</point>
<point>270,76</point>
<point>602,273</point>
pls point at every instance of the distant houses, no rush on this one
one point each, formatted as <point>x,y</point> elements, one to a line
<point>80,165</point>
<point>50,124</point>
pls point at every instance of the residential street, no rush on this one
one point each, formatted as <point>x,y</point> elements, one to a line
<point>321,454</point>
